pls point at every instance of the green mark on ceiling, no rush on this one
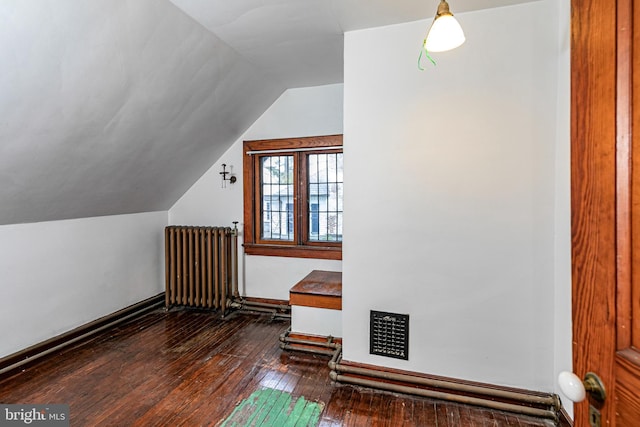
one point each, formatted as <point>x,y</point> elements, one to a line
<point>269,407</point>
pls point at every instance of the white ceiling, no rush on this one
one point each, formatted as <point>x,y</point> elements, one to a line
<point>119,106</point>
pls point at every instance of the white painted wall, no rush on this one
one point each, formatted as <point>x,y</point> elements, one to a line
<point>316,321</point>
<point>455,196</point>
<point>59,275</point>
<point>298,112</point>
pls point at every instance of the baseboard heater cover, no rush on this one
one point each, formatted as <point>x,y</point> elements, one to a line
<point>525,402</point>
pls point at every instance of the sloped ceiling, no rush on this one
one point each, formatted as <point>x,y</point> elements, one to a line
<point>300,42</point>
<point>119,106</point>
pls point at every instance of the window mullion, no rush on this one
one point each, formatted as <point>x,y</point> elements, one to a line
<point>257,217</point>
<point>302,197</point>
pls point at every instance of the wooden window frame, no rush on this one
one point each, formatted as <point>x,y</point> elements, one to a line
<point>300,247</point>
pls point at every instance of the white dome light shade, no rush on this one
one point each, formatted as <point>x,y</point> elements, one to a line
<point>445,34</point>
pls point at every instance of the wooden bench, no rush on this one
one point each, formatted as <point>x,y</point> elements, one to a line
<point>319,289</point>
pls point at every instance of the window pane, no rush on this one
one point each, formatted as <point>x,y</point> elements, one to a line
<point>325,197</point>
<point>276,182</point>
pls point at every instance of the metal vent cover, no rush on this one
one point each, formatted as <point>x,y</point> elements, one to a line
<point>389,334</point>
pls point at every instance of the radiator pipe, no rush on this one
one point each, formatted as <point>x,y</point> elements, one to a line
<point>240,302</point>
<point>330,345</point>
<point>284,338</point>
<point>337,356</point>
<point>262,308</point>
<point>466,388</point>
<point>265,310</point>
<point>267,305</point>
<point>234,260</point>
<point>337,368</point>
<point>544,413</point>
<point>328,348</point>
<point>306,350</point>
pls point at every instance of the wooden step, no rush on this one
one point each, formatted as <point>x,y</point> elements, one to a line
<point>320,289</point>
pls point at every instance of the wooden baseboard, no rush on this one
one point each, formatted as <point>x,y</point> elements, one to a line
<point>520,401</point>
<point>9,364</point>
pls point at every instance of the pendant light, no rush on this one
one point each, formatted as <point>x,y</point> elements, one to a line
<point>445,32</point>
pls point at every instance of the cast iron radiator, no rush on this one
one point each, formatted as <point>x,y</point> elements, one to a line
<point>201,265</point>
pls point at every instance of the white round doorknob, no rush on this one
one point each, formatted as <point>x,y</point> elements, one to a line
<point>572,386</point>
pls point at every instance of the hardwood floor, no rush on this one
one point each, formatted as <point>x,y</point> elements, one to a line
<point>190,368</point>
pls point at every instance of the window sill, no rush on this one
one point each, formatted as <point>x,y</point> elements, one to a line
<point>318,252</point>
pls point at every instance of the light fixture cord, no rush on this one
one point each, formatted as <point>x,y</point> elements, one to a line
<point>424,51</point>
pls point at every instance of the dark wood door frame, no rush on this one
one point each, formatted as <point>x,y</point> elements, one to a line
<point>602,205</point>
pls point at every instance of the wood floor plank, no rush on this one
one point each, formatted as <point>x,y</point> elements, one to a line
<point>487,418</point>
<point>402,410</point>
<point>353,413</point>
<point>379,410</point>
<point>340,402</point>
<point>448,415</point>
<point>189,367</point>
<point>424,412</point>
<point>465,417</point>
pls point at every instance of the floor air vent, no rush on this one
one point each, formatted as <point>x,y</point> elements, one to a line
<point>389,334</point>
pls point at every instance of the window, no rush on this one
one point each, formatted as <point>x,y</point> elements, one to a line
<point>293,197</point>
